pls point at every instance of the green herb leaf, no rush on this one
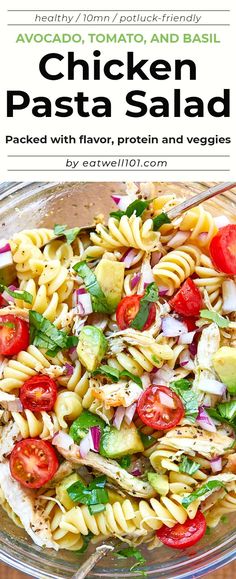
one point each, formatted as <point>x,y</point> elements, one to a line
<point>214,317</point>
<point>17,294</point>
<point>131,552</point>
<point>147,439</point>
<point>159,220</point>
<point>99,300</point>
<point>138,207</point>
<point>201,492</point>
<point>125,461</point>
<point>115,374</point>
<point>188,397</point>
<point>44,334</point>
<point>189,466</point>
<point>86,538</point>
<point>70,234</point>
<point>94,509</point>
<point>150,296</point>
<point>225,413</point>
<point>93,494</point>
<point>224,519</point>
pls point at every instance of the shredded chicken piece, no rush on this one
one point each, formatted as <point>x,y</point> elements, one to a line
<point>8,436</point>
<point>119,394</point>
<point>22,502</point>
<point>111,469</point>
<point>64,470</point>
<point>191,438</point>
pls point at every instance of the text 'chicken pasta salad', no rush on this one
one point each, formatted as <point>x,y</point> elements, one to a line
<point>118,377</point>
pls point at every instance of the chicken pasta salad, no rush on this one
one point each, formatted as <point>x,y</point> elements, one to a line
<point>118,376</point>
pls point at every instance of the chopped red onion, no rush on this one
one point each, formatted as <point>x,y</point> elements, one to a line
<point>14,405</point>
<point>81,291</point>
<point>6,247</point>
<point>73,354</point>
<point>193,348</point>
<point>173,328</point>
<point>136,472</point>
<point>229,296</point>
<point>69,369</point>
<point>118,417</point>
<point>95,432</point>
<point>221,221</point>
<point>155,258</point>
<point>162,291</point>
<point>185,360</point>
<point>178,239</point>
<point>187,338</point>
<point>98,320</point>
<point>7,297</point>
<point>129,413</point>
<point>216,464</point>
<point>128,257</point>
<point>85,445</point>
<point>135,280</point>
<point>205,421</point>
<point>86,303</point>
<point>163,376</point>
<point>212,386</point>
<point>63,440</point>
<point>203,236</point>
<point>123,201</point>
<point>146,272</point>
<point>166,400</point>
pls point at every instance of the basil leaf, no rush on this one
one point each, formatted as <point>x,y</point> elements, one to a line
<point>99,300</point>
<point>224,413</point>
<point>17,294</point>
<point>189,466</point>
<point>136,379</point>
<point>147,439</point>
<point>86,538</point>
<point>159,220</point>
<point>150,296</point>
<point>131,552</point>
<point>94,509</point>
<point>108,371</point>
<point>93,494</point>
<point>7,325</point>
<point>138,207</point>
<point>188,397</point>
<point>70,234</point>
<point>214,317</point>
<point>44,334</point>
<point>203,490</point>
<point>115,374</point>
<point>125,461</point>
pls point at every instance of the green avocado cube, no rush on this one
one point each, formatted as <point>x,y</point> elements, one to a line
<point>91,347</point>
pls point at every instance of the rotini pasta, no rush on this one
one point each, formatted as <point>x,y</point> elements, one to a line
<point>176,266</point>
<point>128,232</point>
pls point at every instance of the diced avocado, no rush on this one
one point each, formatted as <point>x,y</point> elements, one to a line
<point>61,490</point>
<point>83,423</point>
<point>224,362</point>
<point>7,267</point>
<point>110,276</point>
<point>159,482</point>
<point>117,443</point>
<point>91,347</point>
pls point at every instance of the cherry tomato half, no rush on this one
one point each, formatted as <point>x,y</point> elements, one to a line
<point>127,310</point>
<point>183,536</point>
<point>33,462</point>
<point>188,300</point>
<point>223,249</point>
<point>38,393</point>
<point>160,412</point>
<point>14,335</point>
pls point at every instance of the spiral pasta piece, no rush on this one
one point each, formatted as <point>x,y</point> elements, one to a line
<point>176,266</point>
<point>162,204</point>
<point>224,506</point>
<point>128,232</point>
<point>58,250</point>
<point>38,237</point>
<point>67,407</point>
<point>201,224</point>
<point>28,363</point>
<point>44,424</point>
<point>137,359</point>
<point>54,276</point>
<point>210,280</point>
<point>48,306</point>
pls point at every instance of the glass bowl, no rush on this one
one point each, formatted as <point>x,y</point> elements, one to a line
<point>28,205</point>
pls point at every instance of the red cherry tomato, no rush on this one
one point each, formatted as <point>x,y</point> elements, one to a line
<point>3,303</point>
<point>188,300</point>
<point>190,322</point>
<point>158,411</point>
<point>33,462</point>
<point>223,249</point>
<point>38,393</point>
<point>127,310</point>
<point>183,536</point>
<point>14,335</point>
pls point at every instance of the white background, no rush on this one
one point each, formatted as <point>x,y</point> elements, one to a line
<point>19,71</point>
